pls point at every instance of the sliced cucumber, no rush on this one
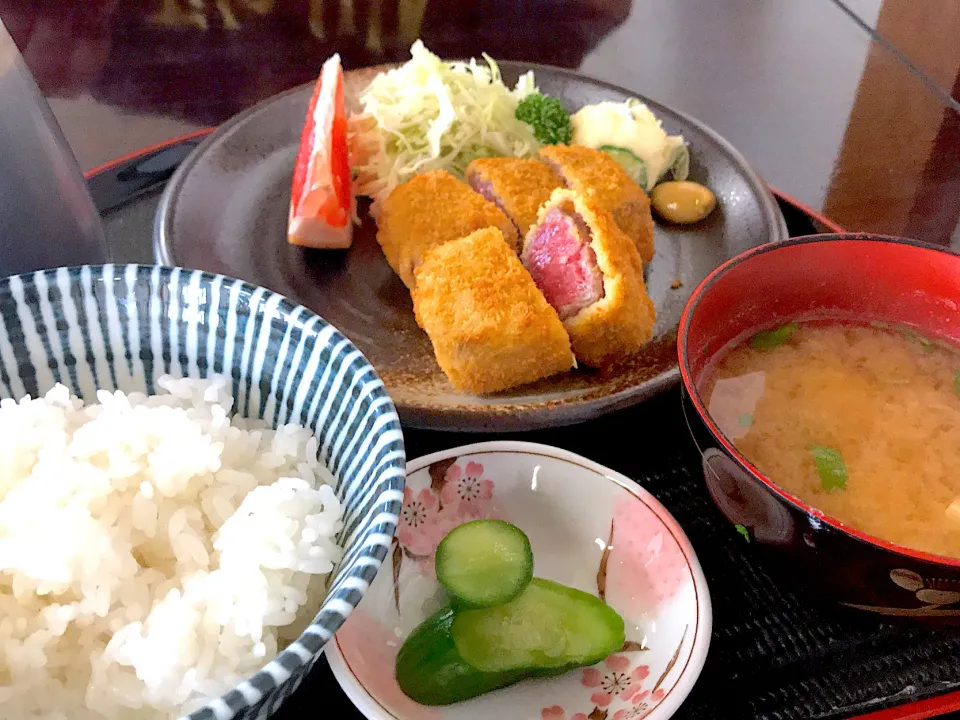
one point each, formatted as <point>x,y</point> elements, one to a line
<point>636,168</point>
<point>548,627</point>
<point>484,563</point>
<point>680,162</point>
<point>430,670</point>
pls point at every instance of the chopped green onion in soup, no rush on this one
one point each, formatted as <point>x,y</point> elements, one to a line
<point>769,339</point>
<point>926,343</point>
<point>830,467</point>
<point>840,399</point>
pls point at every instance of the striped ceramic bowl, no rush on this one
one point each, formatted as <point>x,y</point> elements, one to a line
<point>123,326</point>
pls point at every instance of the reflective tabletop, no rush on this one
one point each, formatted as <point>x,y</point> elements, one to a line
<point>846,107</point>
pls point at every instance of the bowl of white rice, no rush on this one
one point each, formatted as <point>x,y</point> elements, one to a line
<point>198,482</point>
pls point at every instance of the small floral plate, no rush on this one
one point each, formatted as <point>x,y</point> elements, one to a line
<point>591,528</point>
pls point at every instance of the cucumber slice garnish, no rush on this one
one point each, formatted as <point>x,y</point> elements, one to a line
<point>484,563</point>
<point>636,168</point>
<point>430,670</point>
<point>504,625</point>
<point>549,626</point>
<point>680,162</point>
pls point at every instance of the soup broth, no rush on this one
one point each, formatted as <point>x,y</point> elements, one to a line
<point>861,422</point>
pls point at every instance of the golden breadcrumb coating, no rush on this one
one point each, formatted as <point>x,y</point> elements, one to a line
<point>594,173</point>
<point>620,322</point>
<point>429,210</point>
<point>490,327</point>
<point>521,186</point>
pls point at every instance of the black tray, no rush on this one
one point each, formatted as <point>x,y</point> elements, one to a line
<point>775,654</point>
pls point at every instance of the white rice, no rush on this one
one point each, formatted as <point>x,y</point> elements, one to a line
<point>153,550</point>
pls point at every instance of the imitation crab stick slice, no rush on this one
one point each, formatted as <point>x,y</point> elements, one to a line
<point>321,202</point>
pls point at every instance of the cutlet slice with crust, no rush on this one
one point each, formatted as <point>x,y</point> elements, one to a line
<point>518,186</point>
<point>591,273</point>
<point>430,210</point>
<point>490,326</point>
<point>594,173</point>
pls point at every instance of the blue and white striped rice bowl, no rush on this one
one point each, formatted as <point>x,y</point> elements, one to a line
<point>123,326</point>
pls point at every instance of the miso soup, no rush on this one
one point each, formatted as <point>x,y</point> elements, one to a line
<point>860,422</point>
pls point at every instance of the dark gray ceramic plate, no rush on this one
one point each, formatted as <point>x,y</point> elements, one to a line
<point>225,211</point>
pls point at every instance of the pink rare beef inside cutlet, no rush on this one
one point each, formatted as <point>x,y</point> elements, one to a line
<point>563,265</point>
<point>485,188</point>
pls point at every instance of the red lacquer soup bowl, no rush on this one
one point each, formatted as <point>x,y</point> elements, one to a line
<point>859,278</point>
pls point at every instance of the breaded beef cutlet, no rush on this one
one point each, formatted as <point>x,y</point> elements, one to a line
<point>490,326</point>
<point>591,273</point>
<point>518,186</point>
<point>593,173</point>
<point>429,210</point>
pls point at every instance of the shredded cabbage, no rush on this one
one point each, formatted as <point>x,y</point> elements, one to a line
<point>430,114</point>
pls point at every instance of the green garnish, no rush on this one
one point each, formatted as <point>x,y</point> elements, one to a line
<point>548,118</point>
<point>484,563</point>
<point>830,467</point>
<point>769,339</point>
<point>680,162</point>
<point>926,343</point>
<point>634,166</point>
<point>743,531</point>
<point>745,420</point>
<point>956,383</point>
<point>504,625</point>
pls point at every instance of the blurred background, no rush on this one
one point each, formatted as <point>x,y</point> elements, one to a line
<point>865,130</point>
<point>202,60</point>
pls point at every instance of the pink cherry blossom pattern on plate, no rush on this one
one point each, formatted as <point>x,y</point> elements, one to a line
<point>643,703</point>
<point>370,650</point>
<point>467,490</point>
<point>558,713</point>
<point>646,566</point>
<point>428,515</point>
<point>614,681</point>
<point>419,518</point>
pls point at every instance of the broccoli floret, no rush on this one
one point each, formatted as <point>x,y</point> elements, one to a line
<point>550,122</point>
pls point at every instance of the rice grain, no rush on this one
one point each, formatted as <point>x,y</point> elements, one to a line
<point>152,549</point>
